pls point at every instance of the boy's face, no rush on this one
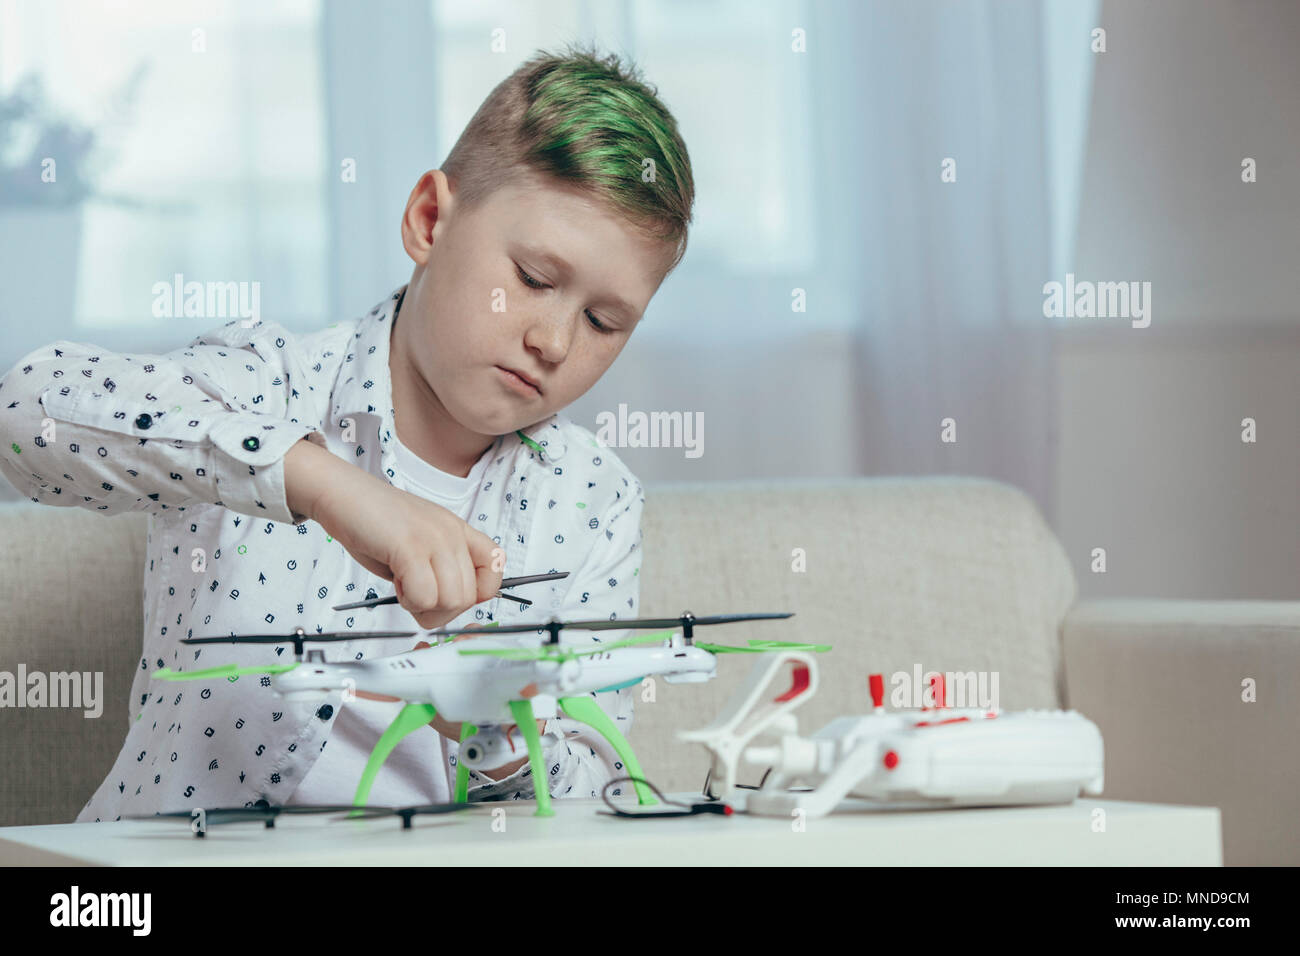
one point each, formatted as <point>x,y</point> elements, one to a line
<point>471,312</point>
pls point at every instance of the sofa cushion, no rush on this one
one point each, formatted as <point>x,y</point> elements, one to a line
<point>942,574</point>
<point>71,585</point>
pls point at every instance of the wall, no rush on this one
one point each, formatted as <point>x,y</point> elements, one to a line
<point>1150,464</point>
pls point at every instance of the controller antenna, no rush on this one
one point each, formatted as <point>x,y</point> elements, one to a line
<point>877,684</point>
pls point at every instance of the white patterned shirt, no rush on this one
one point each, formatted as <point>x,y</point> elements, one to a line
<point>197,437</point>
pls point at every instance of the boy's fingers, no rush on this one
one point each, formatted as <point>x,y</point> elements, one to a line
<point>488,559</point>
<point>450,595</point>
<point>480,547</point>
<point>486,584</point>
<point>468,579</point>
<point>417,589</point>
<point>463,637</point>
<point>374,567</point>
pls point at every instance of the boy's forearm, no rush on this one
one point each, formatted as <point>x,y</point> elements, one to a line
<point>307,470</point>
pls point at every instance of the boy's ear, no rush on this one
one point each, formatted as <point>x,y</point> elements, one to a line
<point>443,193</point>
<point>427,214</point>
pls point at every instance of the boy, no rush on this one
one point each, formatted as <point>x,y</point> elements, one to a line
<point>422,440</point>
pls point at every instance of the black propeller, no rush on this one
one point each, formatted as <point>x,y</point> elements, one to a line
<point>267,814</point>
<point>297,638</point>
<point>219,815</point>
<point>687,622</point>
<point>406,813</point>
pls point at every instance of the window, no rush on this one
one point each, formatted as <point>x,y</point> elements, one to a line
<point>214,169</point>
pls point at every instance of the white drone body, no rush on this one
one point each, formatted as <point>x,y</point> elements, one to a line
<point>935,757</point>
<point>498,685</point>
<point>477,688</point>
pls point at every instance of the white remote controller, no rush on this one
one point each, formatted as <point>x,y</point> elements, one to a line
<point>934,757</point>
<point>943,758</point>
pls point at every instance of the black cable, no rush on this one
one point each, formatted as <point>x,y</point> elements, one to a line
<point>688,809</point>
<point>708,794</point>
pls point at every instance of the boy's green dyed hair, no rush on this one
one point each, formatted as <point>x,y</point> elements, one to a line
<point>585,120</point>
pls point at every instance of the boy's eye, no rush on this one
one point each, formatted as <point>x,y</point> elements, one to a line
<point>528,280</point>
<point>534,284</point>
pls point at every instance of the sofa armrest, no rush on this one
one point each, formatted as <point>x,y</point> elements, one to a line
<point>1170,684</point>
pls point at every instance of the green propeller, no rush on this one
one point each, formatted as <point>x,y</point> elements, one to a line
<point>652,638</point>
<point>762,647</point>
<point>225,670</point>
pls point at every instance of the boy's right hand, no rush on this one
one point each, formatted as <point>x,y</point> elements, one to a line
<point>438,563</point>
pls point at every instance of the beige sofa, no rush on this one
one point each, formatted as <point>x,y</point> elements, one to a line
<point>944,574</point>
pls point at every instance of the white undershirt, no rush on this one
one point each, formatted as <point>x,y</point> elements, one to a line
<point>450,491</point>
<point>417,771</point>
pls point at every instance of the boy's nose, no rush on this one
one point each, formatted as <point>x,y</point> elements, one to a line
<point>550,336</point>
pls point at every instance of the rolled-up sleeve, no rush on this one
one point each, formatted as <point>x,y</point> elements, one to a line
<point>206,424</point>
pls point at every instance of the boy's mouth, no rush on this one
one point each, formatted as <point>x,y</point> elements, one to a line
<point>520,382</point>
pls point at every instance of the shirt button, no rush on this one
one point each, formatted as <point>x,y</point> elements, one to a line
<point>143,420</point>
<point>326,712</point>
<point>251,443</point>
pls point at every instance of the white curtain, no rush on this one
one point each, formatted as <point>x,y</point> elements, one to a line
<point>925,300</point>
<point>951,329</point>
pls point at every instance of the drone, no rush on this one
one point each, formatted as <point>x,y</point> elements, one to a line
<point>497,686</point>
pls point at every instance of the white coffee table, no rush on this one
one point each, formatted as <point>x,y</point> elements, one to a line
<point>501,834</point>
